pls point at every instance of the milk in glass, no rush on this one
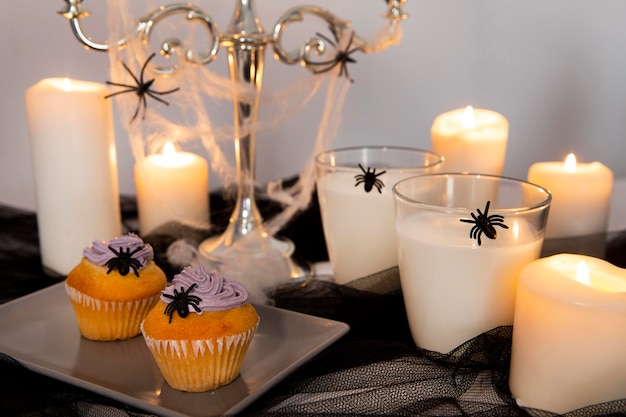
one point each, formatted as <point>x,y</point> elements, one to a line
<point>359,226</point>
<point>453,288</point>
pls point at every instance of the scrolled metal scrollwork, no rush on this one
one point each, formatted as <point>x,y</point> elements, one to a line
<point>314,48</point>
<point>316,53</point>
<point>74,12</point>
<point>175,45</point>
<point>309,55</point>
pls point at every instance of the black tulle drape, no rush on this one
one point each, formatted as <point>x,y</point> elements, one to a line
<point>374,370</point>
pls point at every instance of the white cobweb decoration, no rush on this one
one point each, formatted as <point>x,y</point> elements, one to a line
<point>199,114</point>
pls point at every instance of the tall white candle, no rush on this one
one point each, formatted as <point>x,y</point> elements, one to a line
<point>569,343</point>
<point>471,140</point>
<point>172,187</point>
<point>581,196</point>
<point>454,289</point>
<point>75,168</point>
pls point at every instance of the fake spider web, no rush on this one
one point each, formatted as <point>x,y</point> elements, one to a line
<point>199,115</point>
<point>194,117</point>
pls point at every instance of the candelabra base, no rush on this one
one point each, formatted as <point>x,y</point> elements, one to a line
<point>257,260</point>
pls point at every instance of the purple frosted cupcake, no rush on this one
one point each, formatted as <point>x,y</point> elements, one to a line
<point>114,287</point>
<point>200,330</point>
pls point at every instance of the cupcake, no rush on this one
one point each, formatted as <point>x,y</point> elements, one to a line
<point>114,287</point>
<point>200,330</point>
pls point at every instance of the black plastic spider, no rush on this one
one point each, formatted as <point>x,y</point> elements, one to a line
<point>342,58</point>
<point>124,261</point>
<point>483,223</point>
<point>142,88</point>
<point>181,302</point>
<point>369,179</point>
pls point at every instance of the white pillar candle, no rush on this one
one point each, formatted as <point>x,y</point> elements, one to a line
<point>471,140</point>
<point>569,343</point>
<point>581,196</point>
<point>454,289</point>
<point>75,168</point>
<point>172,187</point>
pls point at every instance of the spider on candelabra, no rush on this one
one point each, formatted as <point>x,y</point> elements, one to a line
<point>342,57</point>
<point>142,88</point>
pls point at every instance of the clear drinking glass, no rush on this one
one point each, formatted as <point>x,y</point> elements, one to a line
<point>354,188</point>
<point>462,240</point>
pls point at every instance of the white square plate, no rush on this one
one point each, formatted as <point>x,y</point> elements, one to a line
<point>40,331</point>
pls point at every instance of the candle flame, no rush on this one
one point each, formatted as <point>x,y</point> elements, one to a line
<point>66,85</point>
<point>582,273</point>
<point>570,163</point>
<point>170,157</point>
<point>469,121</point>
<point>169,150</point>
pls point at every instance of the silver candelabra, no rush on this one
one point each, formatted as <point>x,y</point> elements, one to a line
<point>246,42</point>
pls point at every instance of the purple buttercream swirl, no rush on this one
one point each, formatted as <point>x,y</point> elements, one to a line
<point>216,292</point>
<point>98,251</point>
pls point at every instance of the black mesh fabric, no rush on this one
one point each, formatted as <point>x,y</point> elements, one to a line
<point>377,370</point>
<point>373,370</point>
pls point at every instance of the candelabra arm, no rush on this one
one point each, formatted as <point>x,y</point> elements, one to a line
<point>313,46</point>
<point>73,12</point>
<point>175,45</point>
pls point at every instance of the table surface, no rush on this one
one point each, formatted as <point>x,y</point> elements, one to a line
<point>375,369</point>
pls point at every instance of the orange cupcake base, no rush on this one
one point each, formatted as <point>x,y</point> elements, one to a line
<point>200,365</point>
<point>103,320</point>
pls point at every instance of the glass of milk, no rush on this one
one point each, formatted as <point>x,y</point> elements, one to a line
<point>462,241</point>
<point>354,188</point>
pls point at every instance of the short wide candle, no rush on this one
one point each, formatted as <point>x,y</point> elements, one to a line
<point>172,187</point>
<point>581,196</point>
<point>569,343</point>
<point>471,140</point>
<point>75,168</point>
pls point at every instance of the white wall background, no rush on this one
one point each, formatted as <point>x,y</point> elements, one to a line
<point>556,69</point>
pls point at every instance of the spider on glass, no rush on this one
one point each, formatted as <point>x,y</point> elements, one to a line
<point>369,179</point>
<point>342,57</point>
<point>142,88</point>
<point>483,223</point>
<point>124,261</point>
<point>181,302</point>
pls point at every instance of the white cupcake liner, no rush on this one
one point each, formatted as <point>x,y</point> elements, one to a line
<point>109,320</point>
<point>106,306</point>
<point>200,365</point>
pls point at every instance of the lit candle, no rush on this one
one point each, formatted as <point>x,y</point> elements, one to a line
<point>172,187</point>
<point>581,196</point>
<point>74,166</point>
<point>569,343</point>
<point>471,140</point>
